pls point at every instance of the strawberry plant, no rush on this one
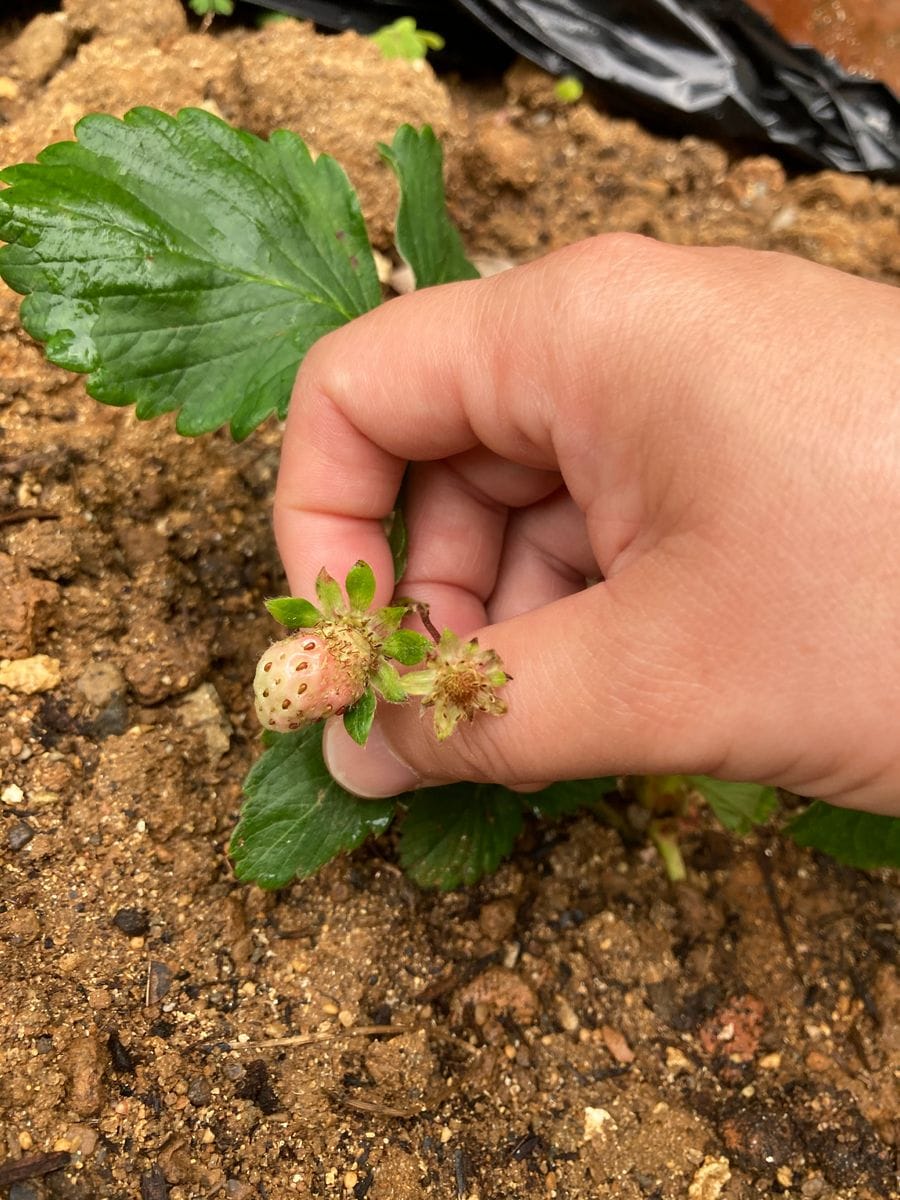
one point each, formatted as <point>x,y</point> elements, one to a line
<point>186,266</point>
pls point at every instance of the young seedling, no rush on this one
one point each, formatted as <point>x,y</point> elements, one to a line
<point>403,39</point>
<point>186,266</point>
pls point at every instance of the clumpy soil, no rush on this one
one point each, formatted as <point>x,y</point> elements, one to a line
<point>575,1026</point>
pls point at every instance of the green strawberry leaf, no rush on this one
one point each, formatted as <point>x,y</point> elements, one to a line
<point>856,839</point>
<point>561,799</point>
<point>407,646</point>
<point>296,818</point>
<point>183,264</point>
<point>454,835</point>
<point>403,39</point>
<point>358,719</point>
<point>360,586</point>
<point>294,613</point>
<point>739,806</point>
<point>426,237</point>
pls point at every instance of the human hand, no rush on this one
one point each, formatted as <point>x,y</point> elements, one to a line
<point>716,432</point>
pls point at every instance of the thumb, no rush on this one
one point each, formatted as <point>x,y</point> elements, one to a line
<point>603,683</point>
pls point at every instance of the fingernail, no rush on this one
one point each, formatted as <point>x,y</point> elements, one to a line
<point>372,771</point>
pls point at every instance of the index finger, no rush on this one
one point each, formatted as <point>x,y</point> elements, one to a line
<point>505,362</point>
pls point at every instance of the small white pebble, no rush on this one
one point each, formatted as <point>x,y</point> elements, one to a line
<point>12,794</point>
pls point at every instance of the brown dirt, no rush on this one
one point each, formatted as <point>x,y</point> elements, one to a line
<point>574,1027</point>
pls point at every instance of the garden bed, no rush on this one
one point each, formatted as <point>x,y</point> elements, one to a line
<point>575,1026</point>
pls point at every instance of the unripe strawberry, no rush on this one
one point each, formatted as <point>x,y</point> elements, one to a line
<point>310,675</point>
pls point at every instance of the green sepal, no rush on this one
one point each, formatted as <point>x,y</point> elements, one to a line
<point>360,585</point>
<point>358,719</point>
<point>329,592</point>
<point>387,681</point>
<point>389,618</point>
<point>406,646</point>
<point>419,683</point>
<point>293,612</point>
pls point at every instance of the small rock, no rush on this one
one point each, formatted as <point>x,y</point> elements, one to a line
<point>23,1191</point>
<point>403,1067</point>
<point>817,1061</point>
<point>30,675</point>
<point>497,920</point>
<point>84,1065</point>
<point>9,89</point>
<point>40,47</point>
<point>616,1044</point>
<point>82,1140</point>
<point>101,683</point>
<point>202,710</point>
<point>598,1121</point>
<point>19,836</point>
<point>710,1179</point>
<point>199,1092</point>
<point>159,981</point>
<point>735,1029</point>
<point>812,1188</point>
<point>12,794</point>
<point>501,991</point>
<point>25,603</point>
<point>19,926</point>
<point>566,1015</point>
<point>135,922</point>
<point>677,1061</point>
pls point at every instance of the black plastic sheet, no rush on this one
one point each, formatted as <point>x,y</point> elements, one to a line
<point>714,68</point>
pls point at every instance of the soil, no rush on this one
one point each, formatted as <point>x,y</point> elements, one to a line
<point>574,1027</point>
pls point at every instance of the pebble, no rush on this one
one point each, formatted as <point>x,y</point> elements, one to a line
<point>23,1191</point>
<point>19,836</point>
<point>133,921</point>
<point>566,1015</point>
<point>596,1121</point>
<point>101,683</point>
<point>677,1061</point>
<point>236,1189</point>
<point>350,1180</point>
<point>28,676</point>
<point>709,1181</point>
<point>199,1092</point>
<point>12,794</point>
<point>616,1044</point>
<point>85,1068</point>
<point>817,1061</point>
<point>158,982</point>
<point>202,710</point>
